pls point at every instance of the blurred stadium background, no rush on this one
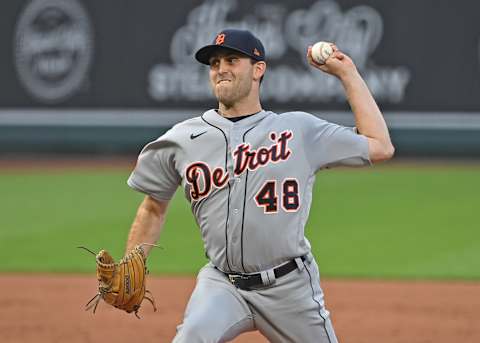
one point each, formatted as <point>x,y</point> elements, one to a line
<point>86,83</point>
<point>84,76</point>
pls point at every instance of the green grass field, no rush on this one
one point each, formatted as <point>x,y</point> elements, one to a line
<point>382,222</point>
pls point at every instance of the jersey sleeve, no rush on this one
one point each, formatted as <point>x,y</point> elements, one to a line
<point>329,145</point>
<point>155,173</point>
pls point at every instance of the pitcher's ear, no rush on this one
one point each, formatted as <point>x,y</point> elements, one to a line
<point>259,69</point>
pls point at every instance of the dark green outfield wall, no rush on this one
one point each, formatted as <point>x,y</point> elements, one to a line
<point>124,140</point>
<point>438,143</point>
<point>58,139</point>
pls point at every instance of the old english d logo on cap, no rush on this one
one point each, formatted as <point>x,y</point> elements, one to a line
<point>241,41</point>
<point>220,39</point>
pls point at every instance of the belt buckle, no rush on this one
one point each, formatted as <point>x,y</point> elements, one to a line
<point>233,278</point>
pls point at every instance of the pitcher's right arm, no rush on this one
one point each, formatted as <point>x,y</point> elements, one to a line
<point>148,223</point>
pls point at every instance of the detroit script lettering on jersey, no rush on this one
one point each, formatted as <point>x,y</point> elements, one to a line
<point>202,178</point>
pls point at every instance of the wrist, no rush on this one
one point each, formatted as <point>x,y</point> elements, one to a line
<point>349,76</point>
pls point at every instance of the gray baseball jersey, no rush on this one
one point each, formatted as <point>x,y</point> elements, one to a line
<point>249,182</point>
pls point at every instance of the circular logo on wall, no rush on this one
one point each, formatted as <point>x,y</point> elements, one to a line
<point>53,48</point>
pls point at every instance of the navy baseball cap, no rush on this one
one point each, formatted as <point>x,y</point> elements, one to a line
<point>238,40</point>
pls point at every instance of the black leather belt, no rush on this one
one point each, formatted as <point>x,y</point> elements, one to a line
<point>249,281</point>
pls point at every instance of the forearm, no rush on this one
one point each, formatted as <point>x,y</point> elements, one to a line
<point>148,224</point>
<point>368,117</point>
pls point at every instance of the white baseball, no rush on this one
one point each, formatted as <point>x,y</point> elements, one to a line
<point>321,51</point>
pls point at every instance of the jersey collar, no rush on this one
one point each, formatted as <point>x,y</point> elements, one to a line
<point>212,117</point>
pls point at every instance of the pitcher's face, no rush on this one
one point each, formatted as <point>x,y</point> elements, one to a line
<point>231,76</point>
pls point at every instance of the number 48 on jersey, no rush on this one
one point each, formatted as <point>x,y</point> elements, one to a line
<point>268,198</point>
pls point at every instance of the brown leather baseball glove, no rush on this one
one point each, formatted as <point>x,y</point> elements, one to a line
<point>121,284</point>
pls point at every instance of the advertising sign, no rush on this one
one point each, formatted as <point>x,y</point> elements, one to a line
<point>414,55</point>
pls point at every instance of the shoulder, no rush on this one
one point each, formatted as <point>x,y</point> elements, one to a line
<point>178,134</point>
<point>300,119</point>
<point>183,129</point>
<point>186,125</point>
<point>298,115</point>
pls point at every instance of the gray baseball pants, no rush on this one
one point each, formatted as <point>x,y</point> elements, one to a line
<point>291,310</point>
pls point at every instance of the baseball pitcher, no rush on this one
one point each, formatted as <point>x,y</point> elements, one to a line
<point>248,174</point>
